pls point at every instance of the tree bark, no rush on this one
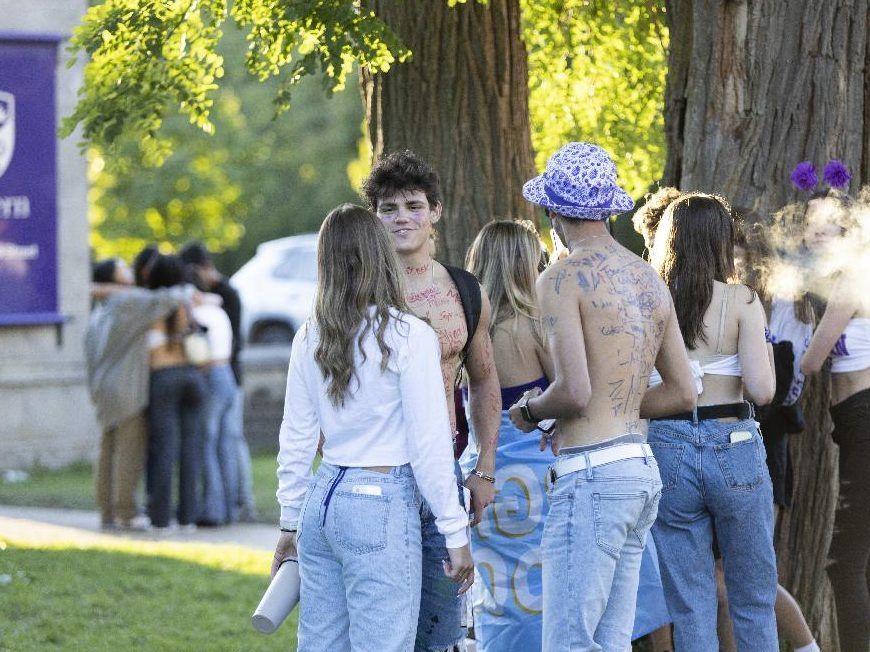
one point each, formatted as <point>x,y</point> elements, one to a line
<point>754,87</point>
<point>462,103</point>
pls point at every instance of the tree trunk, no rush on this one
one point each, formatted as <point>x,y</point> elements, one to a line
<point>805,530</point>
<point>462,103</point>
<point>754,87</point>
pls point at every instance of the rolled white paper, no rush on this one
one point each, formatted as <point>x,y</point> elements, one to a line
<point>279,599</point>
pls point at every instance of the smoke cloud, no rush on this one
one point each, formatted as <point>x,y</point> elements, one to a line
<point>812,247</point>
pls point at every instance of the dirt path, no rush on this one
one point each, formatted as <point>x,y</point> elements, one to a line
<point>40,525</point>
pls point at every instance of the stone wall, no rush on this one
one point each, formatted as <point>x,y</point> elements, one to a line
<point>47,417</point>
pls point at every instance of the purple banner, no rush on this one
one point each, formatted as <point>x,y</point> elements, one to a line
<point>28,182</point>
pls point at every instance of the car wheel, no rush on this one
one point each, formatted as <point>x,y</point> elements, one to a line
<point>273,334</point>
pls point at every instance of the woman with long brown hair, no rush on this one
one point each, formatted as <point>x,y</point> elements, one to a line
<point>712,459</point>
<point>364,371</point>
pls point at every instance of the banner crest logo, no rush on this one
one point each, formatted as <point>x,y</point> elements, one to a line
<point>7,129</point>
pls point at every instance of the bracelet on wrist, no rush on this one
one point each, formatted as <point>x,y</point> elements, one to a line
<point>284,529</point>
<point>483,476</point>
<point>526,411</point>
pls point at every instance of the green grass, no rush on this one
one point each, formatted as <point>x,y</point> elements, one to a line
<point>265,485</point>
<point>73,488</point>
<point>133,595</point>
<point>139,595</point>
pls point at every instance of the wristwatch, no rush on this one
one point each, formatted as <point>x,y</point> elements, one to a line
<point>526,411</point>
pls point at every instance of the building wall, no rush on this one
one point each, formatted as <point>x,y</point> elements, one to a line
<point>46,416</point>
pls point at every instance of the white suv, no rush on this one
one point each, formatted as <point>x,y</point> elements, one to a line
<point>277,289</point>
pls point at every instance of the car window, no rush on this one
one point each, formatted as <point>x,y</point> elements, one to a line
<point>297,264</point>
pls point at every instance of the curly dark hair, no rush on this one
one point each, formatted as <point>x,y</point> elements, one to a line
<point>647,217</point>
<point>398,172</point>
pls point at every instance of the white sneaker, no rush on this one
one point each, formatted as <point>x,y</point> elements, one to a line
<point>139,523</point>
<point>187,528</point>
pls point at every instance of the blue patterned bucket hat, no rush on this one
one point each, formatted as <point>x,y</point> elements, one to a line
<point>579,182</point>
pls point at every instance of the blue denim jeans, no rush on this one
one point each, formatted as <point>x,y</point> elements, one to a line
<point>712,485</point>
<point>220,476</point>
<point>243,459</point>
<point>441,623</point>
<point>175,412</point>
<point>592,545</point>
<point>359,561</point>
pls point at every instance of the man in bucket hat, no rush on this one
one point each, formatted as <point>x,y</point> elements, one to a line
<point>609,320</point>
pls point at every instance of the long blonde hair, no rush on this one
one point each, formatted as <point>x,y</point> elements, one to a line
<point>357,271</point>
<point>504,257</point>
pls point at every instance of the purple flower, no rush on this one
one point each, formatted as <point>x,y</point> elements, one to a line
<point>804,176</point>
<point>836,174</point>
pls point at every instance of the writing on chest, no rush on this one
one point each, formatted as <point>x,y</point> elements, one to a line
<point>443,310</point>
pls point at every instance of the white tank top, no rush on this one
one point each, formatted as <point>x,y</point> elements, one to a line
<point>786,327</point>
<point>852,350</point>
<point>719,364</point>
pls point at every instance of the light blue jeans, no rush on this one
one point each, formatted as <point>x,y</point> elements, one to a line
<point>220,457</point>
<point>359,561</point>
<point>592,545</point>
<point>715,487</point>
<point>243,460</point>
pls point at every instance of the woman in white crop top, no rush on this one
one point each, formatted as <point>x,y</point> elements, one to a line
<point>843,335</point>
<point>366,373</point>
<point>175,409</point>
<point>711,460</point>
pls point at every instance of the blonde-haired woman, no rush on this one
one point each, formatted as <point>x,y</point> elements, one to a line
<point>505,257</point>
<point>363,371</point>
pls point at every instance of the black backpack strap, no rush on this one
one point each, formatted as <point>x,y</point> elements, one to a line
<point>469,294</point>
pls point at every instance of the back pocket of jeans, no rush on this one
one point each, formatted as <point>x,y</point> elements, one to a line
<point>741,464</point>
<point>358,522</point>
<point>669,456</point>
<point>616,516</point>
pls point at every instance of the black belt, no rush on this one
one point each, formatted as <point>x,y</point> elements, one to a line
<point>739,410</point>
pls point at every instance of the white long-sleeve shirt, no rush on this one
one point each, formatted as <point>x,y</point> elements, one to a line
<point>389,418</point>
